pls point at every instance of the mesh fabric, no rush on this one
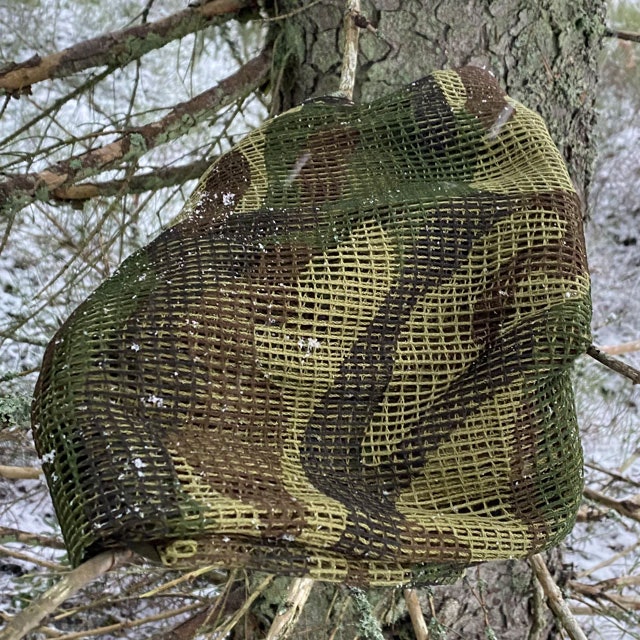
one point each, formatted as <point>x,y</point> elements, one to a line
<point>349,358</point>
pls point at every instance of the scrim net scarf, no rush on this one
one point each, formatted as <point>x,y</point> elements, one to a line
<point>349,358</point>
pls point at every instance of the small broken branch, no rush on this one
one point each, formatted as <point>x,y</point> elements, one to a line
<point>614,364</point>
<point>555,599</point>
<point>25,557</point>
<point>287,617</point>
<point>622,35</point>
<point>118,48</point>
<point>350,55</point>
<point>30,617</point>
<point>627,508</point>
<point>618,349</point>
<point>415,613</point>
<point>20,473</point>
<point>599,592</point>
<point>8,534</point>
<point>19,191</point>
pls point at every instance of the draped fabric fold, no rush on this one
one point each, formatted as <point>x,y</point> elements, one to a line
<point>348,358</point>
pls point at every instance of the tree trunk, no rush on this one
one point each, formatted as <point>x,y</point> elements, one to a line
<point>544,54</point>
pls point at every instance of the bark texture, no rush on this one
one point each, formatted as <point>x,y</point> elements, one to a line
<point>545,55</point>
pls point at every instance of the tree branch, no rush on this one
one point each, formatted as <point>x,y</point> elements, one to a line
<point>625,347</point>
<point>118,48</point>
<point>554,598</point>
<point>19,473</point>
<point>600,592</point>
<point>19,191</point>
<point>614,364</point>
<point>30,617</point>
<point>350,56</point>
<point>8,534</point>
<point>415,613</point>
<point>288,615</point>
<point>622,35</point>
<point>628,508</point>
<point>151,181</point>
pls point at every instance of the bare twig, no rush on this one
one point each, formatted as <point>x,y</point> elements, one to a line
<point>286,619</point>
<point>82,88</point>
<point>151,181</point>
<point>597,592</point>
<point>8,534</point>
<point>19,555</point>
<point>629,508</point>
<point>286,16</point>
<point>222,631</point>
<point>555,599</point>
<point>415,613</point>
<point>618,349</point>
<point>341,615</point>
<point>622,35</point>
<point>19,191</point>
<point>185,577</point>
<point>612,474</point>
<point>614,364</point>
<point>30,617</point>
<point>20,473</point>
<point>605,563</point>
<point>118,48</point>
<point>350,56</point>
<point>129,624</point>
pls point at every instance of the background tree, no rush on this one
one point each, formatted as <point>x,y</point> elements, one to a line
<point>102,138</point>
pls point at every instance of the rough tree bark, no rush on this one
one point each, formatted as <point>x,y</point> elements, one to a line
<point>544,54</point>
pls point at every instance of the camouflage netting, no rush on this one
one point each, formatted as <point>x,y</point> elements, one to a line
<point>349,358</point>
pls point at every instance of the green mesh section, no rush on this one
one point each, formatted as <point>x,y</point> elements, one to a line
<point>348,358</point>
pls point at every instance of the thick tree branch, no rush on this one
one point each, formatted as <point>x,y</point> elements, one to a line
<point>72,582</point>
<point>19,191</point>
<point>415,613</point>
<point>288,615</point>
<point>554,597</point>
<point>350,56</point>
<point>118,48</point>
